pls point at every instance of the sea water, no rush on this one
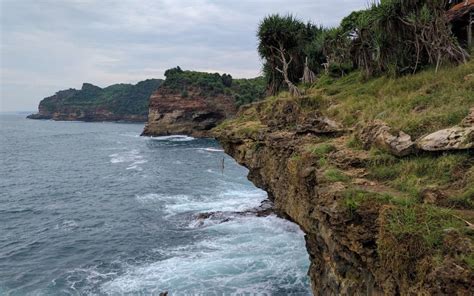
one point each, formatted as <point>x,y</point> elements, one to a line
<point>95,209</point>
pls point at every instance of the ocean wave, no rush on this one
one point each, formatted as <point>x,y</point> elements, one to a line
<point>154,197</point>
<point>173,138</point>
<point>209,149</point>
<point>231,200</point>
<point>245,255</point>
<point>133,157</point>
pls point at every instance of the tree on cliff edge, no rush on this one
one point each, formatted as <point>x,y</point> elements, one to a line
<point>282,45</point>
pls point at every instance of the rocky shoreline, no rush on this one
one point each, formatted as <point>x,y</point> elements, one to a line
<point>349,246</point>
<point>117,103</point>
<point>89,117</point>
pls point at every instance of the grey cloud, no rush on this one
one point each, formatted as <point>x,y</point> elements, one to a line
<point>47,45</point>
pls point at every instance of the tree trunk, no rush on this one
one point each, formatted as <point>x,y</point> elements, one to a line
<point>294,91</point>
<point>308,75</point>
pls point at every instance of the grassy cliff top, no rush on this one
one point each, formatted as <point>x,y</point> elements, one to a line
<point>416,104</point>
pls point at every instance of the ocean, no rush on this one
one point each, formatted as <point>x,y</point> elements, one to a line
<point>95,209</point>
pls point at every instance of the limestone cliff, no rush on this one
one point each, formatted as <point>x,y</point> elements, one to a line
<point>195,114</point>
<point>192,103</point>
<point>119,102</point>
<point>380,219</point>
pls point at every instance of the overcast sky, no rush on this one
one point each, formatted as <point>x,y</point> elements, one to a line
<point>48,45</point>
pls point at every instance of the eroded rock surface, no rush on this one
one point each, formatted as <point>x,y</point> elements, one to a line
<point>454,138</point>
<point>379,133</point>
<point>350,249</point>
<point>170,113</point>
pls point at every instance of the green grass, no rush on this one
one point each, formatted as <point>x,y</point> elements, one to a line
<point>321,150</point>
<point>335,175</point>
<point>426,222</point>
<point>465,200</point>
<point>415,173</point>
<point>411,239</point>
<point>354,198</point>
<point>469,260</point>
<point>416,104</point>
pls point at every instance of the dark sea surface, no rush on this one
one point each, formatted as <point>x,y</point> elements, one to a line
<point>94,209</point>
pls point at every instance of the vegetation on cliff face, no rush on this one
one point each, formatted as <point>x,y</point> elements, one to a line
<point>244,91</point>
<point>415,212</point>
<point>117,99</point>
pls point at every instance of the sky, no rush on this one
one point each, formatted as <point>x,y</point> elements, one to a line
<point>49,45</point>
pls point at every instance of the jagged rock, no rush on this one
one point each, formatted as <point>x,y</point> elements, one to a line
<point>378,133</point>
<point>454,138</point>
<point>287,114</point>
<point>469,77</point>
<point>263,210</point>
<point>432,196</point>
<point>468,121</point>
<point>316,123</point>
<point>343,245</point>
<point>170,113</point>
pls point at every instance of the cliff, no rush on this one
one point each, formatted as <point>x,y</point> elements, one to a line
<point>352,163</point>
<point>193,103</point>
<point>119,102</point>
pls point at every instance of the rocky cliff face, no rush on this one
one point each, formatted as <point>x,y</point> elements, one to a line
<point>362,235</point>
<point>119,102</point>
<point>193,113</point>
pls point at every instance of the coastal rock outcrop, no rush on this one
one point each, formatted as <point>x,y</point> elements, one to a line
<point>195,114</point>
<point>358,232</point>
<point>454,138</point>
<point>379,133</point>
<point>192,103</point>
<point>119,102</point>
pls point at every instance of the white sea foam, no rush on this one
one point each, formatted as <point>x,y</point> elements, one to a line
<point>153,198</point>
<point>67,225</point>
<point>133,157</point>
<point>209,149</point>
<point>231,200</point>
<point>245,255</point>
<point>174,138</point>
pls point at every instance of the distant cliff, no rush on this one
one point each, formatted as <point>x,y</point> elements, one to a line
<point>118,102</point>
<point>192,102</point>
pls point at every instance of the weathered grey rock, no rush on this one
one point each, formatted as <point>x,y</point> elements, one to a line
<point>318,124</point>
<point>378,133</point>
<point>469,120</point>
<point>454,138</point>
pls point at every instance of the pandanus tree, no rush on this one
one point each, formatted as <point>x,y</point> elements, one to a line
<point>396,37</point>
<point>283,44</point>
